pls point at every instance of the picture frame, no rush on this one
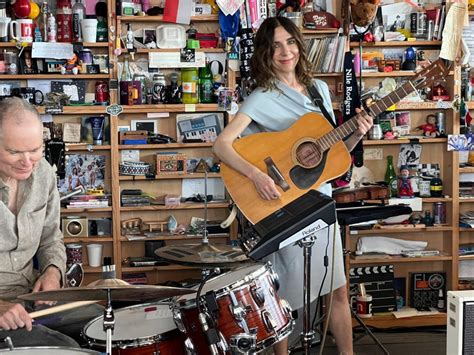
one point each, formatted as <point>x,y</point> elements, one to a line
<point>150,126</point>
<point>87,170</point>
<point>28,64</point>
<point>149,35</point>
<point>93,69</point>
<point>102,60</point>
<point>402,120</point>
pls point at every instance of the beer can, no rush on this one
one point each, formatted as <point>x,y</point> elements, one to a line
<point>101,93</point>
<point>441,122</point>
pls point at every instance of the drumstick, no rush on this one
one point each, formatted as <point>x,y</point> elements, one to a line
<point>60,308</point>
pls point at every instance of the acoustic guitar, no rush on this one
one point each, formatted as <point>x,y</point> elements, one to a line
<point>307,154</point>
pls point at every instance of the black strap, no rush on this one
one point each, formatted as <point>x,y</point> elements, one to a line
<point>319,102</point>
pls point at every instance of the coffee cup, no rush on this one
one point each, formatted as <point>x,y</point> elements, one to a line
<point>94,254</point>
<point>4,21</point>
<point>22,30</point>
<point>89,29</point>
<point>30,94</point>
<point>73,254</point>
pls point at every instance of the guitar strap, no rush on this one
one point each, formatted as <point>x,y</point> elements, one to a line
<point>319,102</point>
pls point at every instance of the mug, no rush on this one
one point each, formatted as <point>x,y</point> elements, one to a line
<point>364,306</point>
<point>33,96</point>
<point>4,21</point>
<point>22,30</point>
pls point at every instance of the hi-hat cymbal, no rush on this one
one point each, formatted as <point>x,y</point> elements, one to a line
<point>202,254</point>
<point>119,291</point>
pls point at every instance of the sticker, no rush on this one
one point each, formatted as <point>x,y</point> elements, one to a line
<point>114,110</point>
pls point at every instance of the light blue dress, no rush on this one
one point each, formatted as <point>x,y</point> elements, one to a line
<point>276,110</point>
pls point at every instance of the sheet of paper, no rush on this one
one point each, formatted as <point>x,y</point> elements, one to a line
<point>52,50</point>
<point>192,187</point>
<point>412,312</point>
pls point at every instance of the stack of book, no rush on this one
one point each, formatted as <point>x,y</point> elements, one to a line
<point>134,200</point>
<point>466,219</point>
<point>88,201</point>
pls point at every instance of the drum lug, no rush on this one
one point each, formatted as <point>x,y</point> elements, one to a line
<point>258,295</point>
<point>275,279</point>
<point>286,308</point>
<point>189,347</point>
<point>268,321</point>
<point>243,344</point>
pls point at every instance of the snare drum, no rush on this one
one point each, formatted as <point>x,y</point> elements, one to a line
<point>141,329</point>
<point>55,350</point>
<point>246,299</point>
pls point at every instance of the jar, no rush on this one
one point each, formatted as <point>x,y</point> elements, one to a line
<point>439,213</point>
<point>436,187</point>
<point>189,82</point>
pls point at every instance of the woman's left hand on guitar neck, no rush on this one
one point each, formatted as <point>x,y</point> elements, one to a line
<point>364,122</point>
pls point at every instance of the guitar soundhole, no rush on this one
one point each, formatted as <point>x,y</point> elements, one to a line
<point>308,155</point>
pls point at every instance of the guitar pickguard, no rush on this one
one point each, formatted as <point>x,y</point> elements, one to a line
<point>305,178</point>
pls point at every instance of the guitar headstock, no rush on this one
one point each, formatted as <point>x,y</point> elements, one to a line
<point>428,75</point>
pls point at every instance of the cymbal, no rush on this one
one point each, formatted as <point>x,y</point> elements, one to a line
<point>202,254</point>
<point>119,291</point>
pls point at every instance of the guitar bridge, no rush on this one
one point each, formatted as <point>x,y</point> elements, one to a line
<point>275,174</point>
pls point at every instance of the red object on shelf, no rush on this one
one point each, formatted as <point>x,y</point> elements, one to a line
<point>22,8</point>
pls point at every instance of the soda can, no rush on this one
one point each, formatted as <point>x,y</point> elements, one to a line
<point>101,93</point>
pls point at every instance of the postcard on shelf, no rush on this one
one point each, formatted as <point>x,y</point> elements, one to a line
<point>87,170</point>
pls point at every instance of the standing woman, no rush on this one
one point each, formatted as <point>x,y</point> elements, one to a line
<point>281,70</point>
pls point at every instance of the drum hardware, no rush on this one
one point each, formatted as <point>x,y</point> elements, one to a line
<point>243,343</point>
<point>238,311</point>
<point>9,342</point>
<point>257,294</point>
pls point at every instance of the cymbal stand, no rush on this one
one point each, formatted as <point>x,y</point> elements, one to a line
<point>205,239</point>
<point>108,323</point>
<point>308,334</point>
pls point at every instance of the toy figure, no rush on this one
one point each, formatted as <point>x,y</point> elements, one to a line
<point>71,66</point>
<point>429,128</point>
<point>404,187</point>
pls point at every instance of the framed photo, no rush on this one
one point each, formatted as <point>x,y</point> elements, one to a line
<point>410,155</point>
<point>402,123</point>
<point>145,125</point>
<point>87,170</point>
<point>28,64</point>
<point>93,69</point>
<point>149,35</point>
<point>102,60</point>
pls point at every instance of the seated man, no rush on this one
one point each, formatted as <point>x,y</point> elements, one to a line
<point>29,219</point>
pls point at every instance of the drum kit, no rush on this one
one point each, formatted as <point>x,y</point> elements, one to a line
<point>237,312</point>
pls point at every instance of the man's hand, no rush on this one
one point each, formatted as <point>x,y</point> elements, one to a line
<point>14,316</point>
<point>49,280</point>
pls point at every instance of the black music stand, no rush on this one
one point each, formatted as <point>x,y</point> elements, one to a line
<point>359,214</point>
<point>297,222</point>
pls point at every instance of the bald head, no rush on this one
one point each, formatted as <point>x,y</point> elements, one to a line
<point>17,110</point>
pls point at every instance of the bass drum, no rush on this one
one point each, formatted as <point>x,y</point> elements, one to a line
<point>49,350</point>
<point>246,299</point>
<point>139,330</point>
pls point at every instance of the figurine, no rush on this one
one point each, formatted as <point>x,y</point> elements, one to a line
<point>71,66</point>
<point>404,187</point>
<point>429,128</point>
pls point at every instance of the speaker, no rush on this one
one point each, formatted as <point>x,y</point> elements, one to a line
<point>75,227</point>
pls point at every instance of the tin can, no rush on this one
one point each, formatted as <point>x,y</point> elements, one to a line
<point>85,58</point>
<point>439,213</point>
<point>158,90</point>
<point>101,93</point>
<point>141,79</point>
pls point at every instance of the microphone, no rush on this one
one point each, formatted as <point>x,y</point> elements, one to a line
<point>211,334</point>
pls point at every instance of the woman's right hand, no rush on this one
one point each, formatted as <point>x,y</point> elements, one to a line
<point>265,185</point>
<point>14,316</point>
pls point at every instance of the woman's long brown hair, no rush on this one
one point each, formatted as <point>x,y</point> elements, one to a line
<point>262,59</point>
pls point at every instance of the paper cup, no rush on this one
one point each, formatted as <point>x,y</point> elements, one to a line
<point>94,254</point>
<point>89,29</point>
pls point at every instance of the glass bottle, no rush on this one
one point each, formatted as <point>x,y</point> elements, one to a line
<point>206,92</point>
<point>101,12</point>
<point>189,82</point>
<point>191,32</point>
<point>78,14</point>
<point>126,74</point>
<point>391,176</point>
<point>436,186</point>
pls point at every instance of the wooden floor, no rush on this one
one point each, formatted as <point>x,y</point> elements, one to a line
<point>424,341</point>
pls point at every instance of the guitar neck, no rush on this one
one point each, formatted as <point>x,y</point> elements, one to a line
<point>350,126</point>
